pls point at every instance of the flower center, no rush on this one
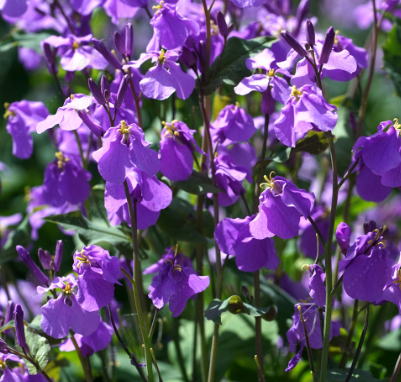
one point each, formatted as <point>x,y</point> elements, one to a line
<point>61,159</point>
<point>270,183</point>
<point>171,130</point>
<point>296,93</point>
<point>124,130</point>
<point>2,364</point>
<point>67,289</point>
<point>375,241</point>
<point>75,45</point>
<point>162,57</point>
<point>8,112</point>
<point>335,37</point>
<point>214,28</point>
<point>396,125</point>
<point>176,268</point>
<point>270,73</point>
<point>82,259</point>
<point>158,8</point>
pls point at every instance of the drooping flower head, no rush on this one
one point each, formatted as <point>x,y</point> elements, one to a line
<point>234,239</point>
<point>165,78</point>
<point>65,312</point>
<point>177,148</point>
<point>124,149</point>
<point>97,274</point>
<point>306,109</point>
<point>175,283</point>
<point>281,205</point>
<point>22,120</point>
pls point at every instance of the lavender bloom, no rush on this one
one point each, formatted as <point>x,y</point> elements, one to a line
<point>76,53</point>
<point>67,116</point>
<point>317,289</point>
<point>175,283</point>
<point>27,260</point>
<point>29,58</point>
<point>121,9</point>
<point>165,77</point>
<point>343,235</point>
<point>169,255</point>
<point>307,242</point>
<point>97,274</point>
<point>305,110</point>
<point>268,80</point>
<point>91,344</point>
<point>45,259</point>
<point>170,28</point>
<point>367,267</point>
<point>177,148</point>
<point>13,8</point>
<point>85,7</point>
<point>150,194</point>
<point>65,313</point>
<point>19,327</point>
<point>65,181</point>
<point>9,316</point>
<point>23,117</point>
<point>234,239</point>
<point>312,322</point>
<point>392,292</point>
<point>124,149</point>
<point>233,123</point>
<point>281,205</point>
<point>229,179</point>
<point>5,223</point>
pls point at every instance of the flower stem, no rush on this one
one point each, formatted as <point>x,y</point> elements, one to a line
<point>136,99</point>
<point>327,254</point>
<point>88,375</point>
<point>350,334</point>
<point>132,208</point>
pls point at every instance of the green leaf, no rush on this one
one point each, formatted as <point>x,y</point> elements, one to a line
<point>178,221</point>
<point>235,305</point>
<point>357,376</point>
<point>37,327</point>
<point>8,325</point>
<point>282,155</point>
<point>232,65</point>
<point>197,184</point>
<point>94,232</point>
<point>31,41</point>
<point>39,349</point>
<point>392,55</point>
<point>314,143</point>
<point>21,235</point>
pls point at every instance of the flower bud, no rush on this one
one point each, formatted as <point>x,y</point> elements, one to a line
<point>188,57</point>
<point>89,121</point>
<point>3,347</point>
<point>119,43</point>
<point>294,44</point>
<point>102,49</point>
<point>27,260</point>
<point>343,235</point>
<point>105,87</point>
<point>49,55</point>
<point>267,105</point>
<point>9,315</point>
<point>19,327</point>
<point>58,256</point>
<point>310,33</point>
<point>327,46</point>
<point>97,94</point>
<point>230,28</point>
<point>45,259</point>
<point>122,90</point>
<point>129,39</point>
<point>221,23</point>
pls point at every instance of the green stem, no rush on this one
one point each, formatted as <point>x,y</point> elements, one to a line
<point>344,358</point>
<point>176,339</point>
<point>132,208</point>
<point>88,375</point>
<point>136,99</point>
<point>327,256</point>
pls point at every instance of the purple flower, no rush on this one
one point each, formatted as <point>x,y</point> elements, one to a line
<point>67,116</point>
<point>170,28</point>
<point>307,242</point>
<point>32,266</point>
<point>124,149</point>
<point>19,327</point>
<point>343,235</point>
<point>165,77</point>
<point>392,292</point>
<point>97,274</point>
<point>317,289</point>
<point>233,123</point>
<point>65,313</point>
<point>305,110</point>
<point>85,7</point>
<point>234,239</point>
<point>76,53</point>
<point>175,283</point>
<point>312,322</point>
<point>177,148</point>
<point>91,344</point>
<point>23,117</point>
<point>13,8</point>
<point>281,205</point>
<point>120,9</point>
<point>151,196</point>
<point>5,223</point>
<point>29,58</point>
<point>170,254</point>
<point>265,60</point>
<point>65,181</point>
<point>367,267</point>
<point>229,179</point>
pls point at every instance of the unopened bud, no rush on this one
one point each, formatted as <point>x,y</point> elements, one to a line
<point>27,260</point>
<point>310,33</point>
<point>122,90</point>
<point>221,23</point>
<point>102,49</point>
<point>294,44</point>
<point>129,39</point>
<point>45,259</point>
<point>327,46</point>
<point>97,94</point>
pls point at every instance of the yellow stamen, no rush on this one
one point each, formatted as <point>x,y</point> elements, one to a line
<point>158,8</point>
<point>8,112</point>
<point>168,261</point>
<point>295,92</point>
<point>171,129</point>
<point>67,290</point>
<point>270,73</point>
<point>75,45</point>
<point>82,259</point>
<point>269,181</point>
<point>177,267</point>
<point>61,159</point>
<point>335,36</point>
<point>396,125</point>
<point>305,266</point>
<point>162,57</point>
<point>237,104</point>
